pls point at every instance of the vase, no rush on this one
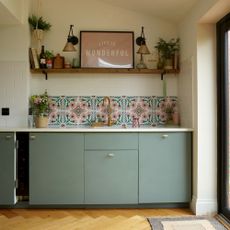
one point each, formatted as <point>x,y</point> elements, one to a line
<point>168,63</point>
<point>41,122</point>
<point>176,118</point>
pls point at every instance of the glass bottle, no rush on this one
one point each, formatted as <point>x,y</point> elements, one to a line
<point>30,118</point>
<point>42,58</point>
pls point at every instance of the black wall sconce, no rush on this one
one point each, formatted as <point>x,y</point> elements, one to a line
<point>71,41</point>
<point>140,41</point>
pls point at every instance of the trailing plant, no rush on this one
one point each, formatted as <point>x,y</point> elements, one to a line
<point>38,23</point>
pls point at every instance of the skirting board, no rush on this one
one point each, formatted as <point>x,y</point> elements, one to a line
<point>204,206</point>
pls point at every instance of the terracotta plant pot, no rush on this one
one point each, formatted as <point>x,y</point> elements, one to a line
<point>41,122</point>
<point>176,118</point>
<point>168,63</point>
<point>49,63</point>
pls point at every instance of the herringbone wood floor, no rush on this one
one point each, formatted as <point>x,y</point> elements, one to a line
<point>85,219</point>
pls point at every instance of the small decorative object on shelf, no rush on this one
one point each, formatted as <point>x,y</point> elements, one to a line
<point>75,63</point>
<point>42,58</point>
<point>59,62</point>
<point>33,56</point>
<point>49,59</point>
<point>67,65</point>
<point>168,53</point>
<point>40,109</point>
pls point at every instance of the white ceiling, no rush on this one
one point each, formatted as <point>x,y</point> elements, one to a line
<point>6,17</point>
<point>172,10</point>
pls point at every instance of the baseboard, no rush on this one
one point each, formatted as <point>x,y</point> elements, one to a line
<point>204,206</point>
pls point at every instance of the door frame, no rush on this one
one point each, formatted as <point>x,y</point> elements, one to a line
<point>223,114</point>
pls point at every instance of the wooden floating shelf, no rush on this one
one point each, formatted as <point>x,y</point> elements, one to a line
<point>104,70</point>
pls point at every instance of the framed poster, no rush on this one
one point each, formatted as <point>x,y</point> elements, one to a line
<point>106,49</point>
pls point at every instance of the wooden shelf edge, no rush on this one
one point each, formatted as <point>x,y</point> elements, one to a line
<point>104,70</point>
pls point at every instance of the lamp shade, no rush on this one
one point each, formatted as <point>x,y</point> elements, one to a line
<point>143,49</point>
<point>69,47</point>
<point>71,41</point>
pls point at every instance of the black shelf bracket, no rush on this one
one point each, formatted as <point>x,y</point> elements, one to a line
<point>45,73</point>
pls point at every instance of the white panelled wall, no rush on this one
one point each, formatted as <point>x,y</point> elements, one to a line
<point>104,84</point>
<point>14,93</point>
<point>14,66</point>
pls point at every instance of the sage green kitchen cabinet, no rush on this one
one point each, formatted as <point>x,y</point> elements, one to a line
<point>56,168</point>
<point>165,167</point>
<point>111,168</point>
<point>7,169</point>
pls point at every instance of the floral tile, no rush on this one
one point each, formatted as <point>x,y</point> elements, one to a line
<point>164,107</point>
<point>56,111</point>
<point>69,111</point>
<point>139,107</point>
<point>80,111</point>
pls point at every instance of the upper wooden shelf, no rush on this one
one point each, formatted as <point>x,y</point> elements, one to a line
<point>104,70</point>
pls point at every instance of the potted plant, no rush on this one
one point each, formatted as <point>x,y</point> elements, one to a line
<point>166,52</point>
<point>49,59</point>
<point>40,109</point>
<point>38,25</point>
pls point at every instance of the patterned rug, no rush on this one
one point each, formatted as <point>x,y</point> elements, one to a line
<point>186,223</point>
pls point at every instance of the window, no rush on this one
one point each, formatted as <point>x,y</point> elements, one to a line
<point>223,90</point>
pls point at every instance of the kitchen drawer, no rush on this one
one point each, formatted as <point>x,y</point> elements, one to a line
<point>111,141</point>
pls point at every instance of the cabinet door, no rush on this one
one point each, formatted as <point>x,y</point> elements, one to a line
<point>111,177</point>
<point>164,167</point>
<point>56,168</point>
<point>7,169</point>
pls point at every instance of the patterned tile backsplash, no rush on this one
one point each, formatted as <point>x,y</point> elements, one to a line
<point>81,111</point>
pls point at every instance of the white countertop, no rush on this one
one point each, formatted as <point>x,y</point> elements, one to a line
<point>100,129</point>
